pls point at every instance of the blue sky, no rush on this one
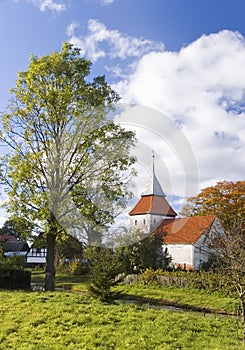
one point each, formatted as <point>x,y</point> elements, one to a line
<point>30,26</point>
<point>182,58</point>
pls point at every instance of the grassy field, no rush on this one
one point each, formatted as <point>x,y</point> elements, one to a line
<point>65,320</point>
<point>69,320</point>
<point>216,301</point>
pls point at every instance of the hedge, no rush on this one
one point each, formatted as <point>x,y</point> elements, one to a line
<point>15,279</point>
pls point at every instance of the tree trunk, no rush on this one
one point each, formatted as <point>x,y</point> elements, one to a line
<point>50,269</point>
<point>243,315</point>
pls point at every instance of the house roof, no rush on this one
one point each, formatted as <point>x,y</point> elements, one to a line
<point>151,204</point>
<point>185,230</point>
<point>17,246</point>
<point>6,237</point>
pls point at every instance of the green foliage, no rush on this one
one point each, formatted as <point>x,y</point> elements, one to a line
<point>68,248</point>
<point>178,291</point>
<point>15,262</point>
<point>66,144</point>
<point>150,276</point>
<point>147,253</point>
<point>105,265</point>
<point>151,253</point>
<point>78,268</point>
<point>18,227</point>
<point>190,279</point>
<point>66,168</point>
<point>9,229</point>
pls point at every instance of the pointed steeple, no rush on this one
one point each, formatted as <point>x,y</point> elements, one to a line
<point>153,199</point>
<point>153,188</point>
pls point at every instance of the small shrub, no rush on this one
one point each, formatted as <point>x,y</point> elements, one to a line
<point>15,262</point>
<point>79,268</point>
<point>150,276</point>
<point>189,279</point>
<point>63,268</point>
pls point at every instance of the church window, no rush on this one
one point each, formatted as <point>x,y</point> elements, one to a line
<point>144,221</point>
<point>135,222</point>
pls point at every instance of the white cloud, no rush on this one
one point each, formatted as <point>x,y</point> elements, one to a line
<point>48,5</point>
<point>101,42</point>
<point>105,2</point>
<point>51,5</point>
<point>71,28</point>
<point>202,89</point>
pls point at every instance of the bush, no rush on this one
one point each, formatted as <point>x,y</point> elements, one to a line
<point>15,262</point>
<point>189,279</point>
<point>150,276</point>
<point>79,268</point>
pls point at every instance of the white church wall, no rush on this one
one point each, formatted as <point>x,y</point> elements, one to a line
<point>156,220</point>
<point>202,248</point>
<point>201,251</point>
<point>181,254</point>
<point>146,222</point>
<point>141,222</point>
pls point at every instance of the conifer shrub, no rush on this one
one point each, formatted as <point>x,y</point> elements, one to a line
<point>105,265</point>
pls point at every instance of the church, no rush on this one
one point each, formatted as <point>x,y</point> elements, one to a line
<point>188,240</point>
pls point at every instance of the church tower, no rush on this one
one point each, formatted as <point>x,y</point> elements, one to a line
<point>152,207</point>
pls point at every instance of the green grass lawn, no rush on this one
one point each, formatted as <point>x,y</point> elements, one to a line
<point>65,320</point>
<point>196,297</point>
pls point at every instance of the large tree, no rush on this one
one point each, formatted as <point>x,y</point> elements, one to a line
<point>233,261</point>
<point>226,200</point>
<point>229,258</point>
<point>65,156</point>
<point>17,227</point>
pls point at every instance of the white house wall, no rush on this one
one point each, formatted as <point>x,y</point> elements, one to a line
<point>36,260</point>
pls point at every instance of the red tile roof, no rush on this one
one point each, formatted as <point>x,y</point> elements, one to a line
<point>6,237</point>
<point>153,205</point>
<point>185,230</point>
